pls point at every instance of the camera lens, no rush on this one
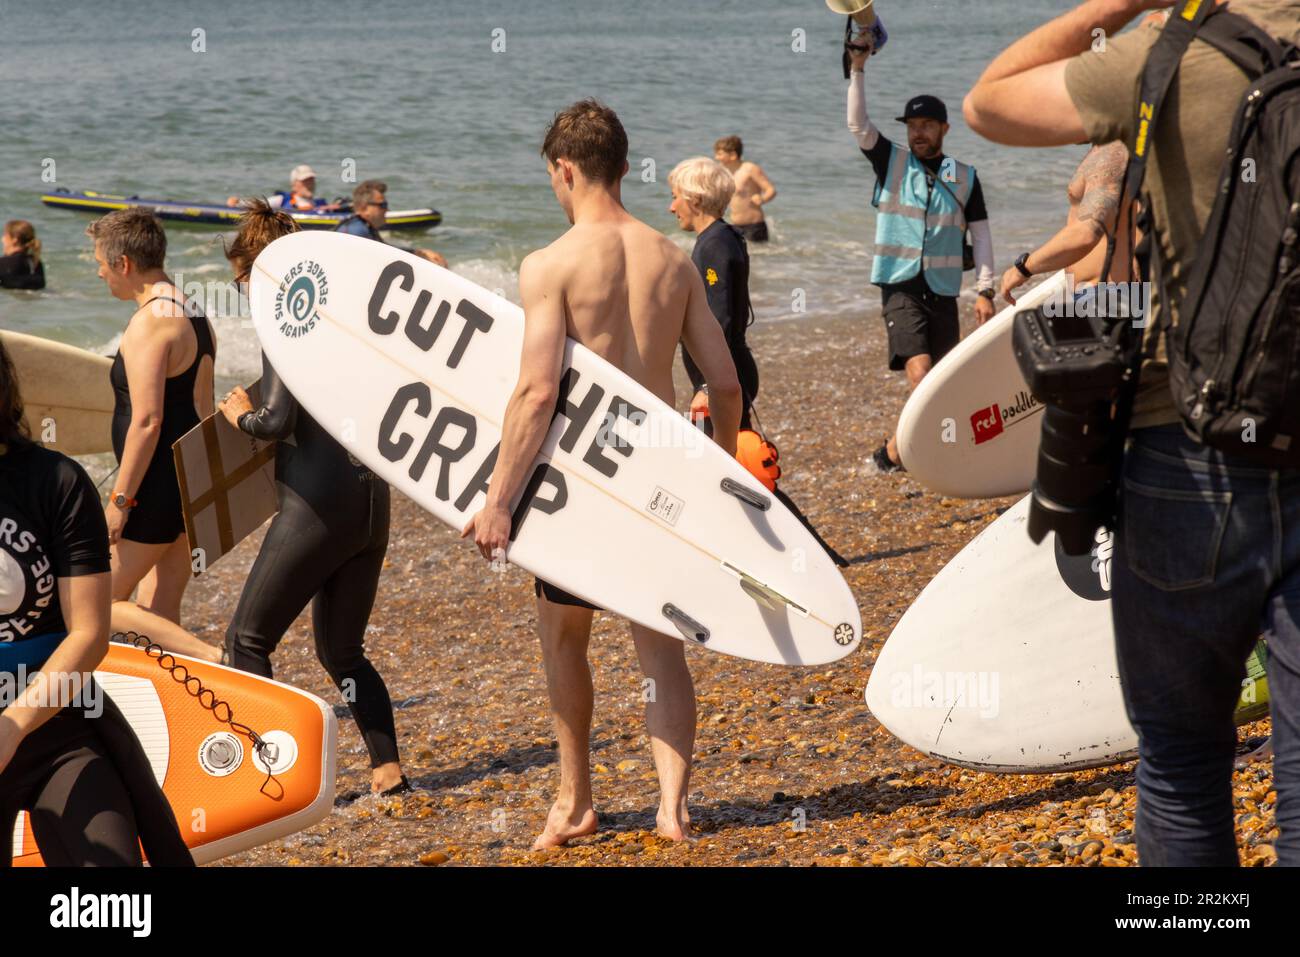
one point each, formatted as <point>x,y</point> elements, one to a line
<point>1072,494</point>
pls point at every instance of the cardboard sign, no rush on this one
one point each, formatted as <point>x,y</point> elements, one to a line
<point>227,481</point>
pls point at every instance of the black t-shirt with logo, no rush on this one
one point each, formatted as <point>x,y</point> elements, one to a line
<point>51,527</point>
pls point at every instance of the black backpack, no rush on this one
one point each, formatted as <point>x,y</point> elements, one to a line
<point>1234,357</point>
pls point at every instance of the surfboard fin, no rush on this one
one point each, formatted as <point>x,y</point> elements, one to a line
<point>765,595</point>
<point>691,629</point>
<point>746,495</point>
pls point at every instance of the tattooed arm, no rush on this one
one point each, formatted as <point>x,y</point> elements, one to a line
<point>1094,196</point>
<point>1099,208</point>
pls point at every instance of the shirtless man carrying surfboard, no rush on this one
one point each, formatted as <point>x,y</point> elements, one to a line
<point>630,295</point>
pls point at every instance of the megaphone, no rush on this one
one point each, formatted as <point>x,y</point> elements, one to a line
<point>870,31</point>
<point>863,12</point>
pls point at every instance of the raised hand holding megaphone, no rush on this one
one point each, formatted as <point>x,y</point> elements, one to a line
<point>863,30</point>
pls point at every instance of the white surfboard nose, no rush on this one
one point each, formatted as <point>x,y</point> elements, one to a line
<point>970,428</point>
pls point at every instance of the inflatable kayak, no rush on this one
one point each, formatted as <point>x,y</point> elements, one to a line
<point>210,214</point>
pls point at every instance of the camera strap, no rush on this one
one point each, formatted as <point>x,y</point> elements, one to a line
<point>1157,79</point>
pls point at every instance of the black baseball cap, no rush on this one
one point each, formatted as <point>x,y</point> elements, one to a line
<point>924,107</point>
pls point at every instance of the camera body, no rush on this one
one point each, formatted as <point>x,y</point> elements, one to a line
<point>1080,367</point>
<point>1068,360</point>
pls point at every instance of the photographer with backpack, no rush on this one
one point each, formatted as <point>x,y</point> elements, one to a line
<point>1197,467</point>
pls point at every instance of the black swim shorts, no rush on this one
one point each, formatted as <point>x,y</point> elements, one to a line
<point>558,596</point>
<point>919,324</point>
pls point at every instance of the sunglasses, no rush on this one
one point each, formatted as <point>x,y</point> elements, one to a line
<point>383,205</point>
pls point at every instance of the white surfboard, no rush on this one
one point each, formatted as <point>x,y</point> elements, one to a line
<point>627,506</point>
<point>1006,661</point>
<point>67,398</point>
<point>970,429</point>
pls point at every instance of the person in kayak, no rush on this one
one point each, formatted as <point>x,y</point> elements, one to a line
<point>701,190</point>
<point>162,384</point>
<point>299,197</point>
<point>753,189</point>
<point>370,214</point>
<point>68,758</point>
<point>325,546</point>
<point>21,266</point>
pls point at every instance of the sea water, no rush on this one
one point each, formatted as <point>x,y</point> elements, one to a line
<point>447,102</point>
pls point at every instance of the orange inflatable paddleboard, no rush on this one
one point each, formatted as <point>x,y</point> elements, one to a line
<point>209,769</point>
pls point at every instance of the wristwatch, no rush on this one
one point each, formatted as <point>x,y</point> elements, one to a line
<point>987,293</point>
<point>122,500</point>
<point>1021,265</point>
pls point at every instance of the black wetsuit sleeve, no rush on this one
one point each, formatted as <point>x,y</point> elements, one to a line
<point>278,415</point>
<point>79,543</point>
<point>976,211</point>
<point>879,156</point>
<point>714,259</point>
<point>718,281</point>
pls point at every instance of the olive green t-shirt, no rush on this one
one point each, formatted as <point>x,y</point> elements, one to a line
<point>1186,155</point>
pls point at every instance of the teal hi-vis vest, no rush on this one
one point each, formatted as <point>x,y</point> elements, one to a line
<point>921,225</point>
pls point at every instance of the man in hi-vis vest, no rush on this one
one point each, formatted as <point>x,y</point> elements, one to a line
<point>925,201</point>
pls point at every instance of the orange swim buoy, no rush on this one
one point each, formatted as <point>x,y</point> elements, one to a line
<point>759,456</point>
<point>755,453</point>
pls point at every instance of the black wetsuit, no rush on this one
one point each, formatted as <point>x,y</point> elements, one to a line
<point>354,225</point>
<point>723,261</point>
<point>157,519</point>
<point>17,271</point>
<point>82,776</point>
<point>326,546</point>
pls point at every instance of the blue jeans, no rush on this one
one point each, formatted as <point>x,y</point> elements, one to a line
<point>1207,557</point>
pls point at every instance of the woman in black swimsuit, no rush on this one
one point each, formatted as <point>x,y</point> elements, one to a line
<point>325,546</point>
<point>162,381</point>
<point>72,763</point>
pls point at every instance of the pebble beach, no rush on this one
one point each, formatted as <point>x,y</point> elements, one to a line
<point>790,766</point>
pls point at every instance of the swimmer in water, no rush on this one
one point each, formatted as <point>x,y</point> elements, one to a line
<point>753,189</point>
